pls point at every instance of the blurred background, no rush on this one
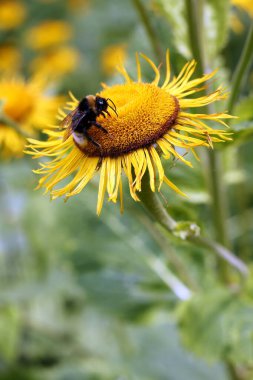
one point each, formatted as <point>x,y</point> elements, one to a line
<point>83,297</point>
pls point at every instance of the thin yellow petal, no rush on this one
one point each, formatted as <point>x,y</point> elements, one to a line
<point>174,187</point>
<point>138,65</point>
<point>167,77</point>
<point>157,73</point>
<point>102,186</point>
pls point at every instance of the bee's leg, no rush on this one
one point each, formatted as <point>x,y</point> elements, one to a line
<point>106,112</point>
<point>99,126</point>
<point>89,138</point>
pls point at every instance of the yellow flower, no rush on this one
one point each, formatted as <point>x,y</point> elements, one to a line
<point>111,56</point>
<point>48,34</point>
<point>56,62</point>
<point>25,108</point>
<point>236,24</point>
<point>75,5</point>
<point>246,5</point>
<point>10,58</point>
<point>151,120</point>
<point>12,14</point>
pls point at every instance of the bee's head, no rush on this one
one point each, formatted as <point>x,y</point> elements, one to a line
<point>101,104</point>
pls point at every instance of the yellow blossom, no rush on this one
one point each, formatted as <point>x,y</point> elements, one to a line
<point>75,5</point>
<point>111,56</point>
<point>48,34</point>
<point>150,123</point>
<point>236,24</point>
<point>246,5</point>
<point>12,14</point>
<point>25,108</point>
<point>56,62</point>
<point>10,58</point>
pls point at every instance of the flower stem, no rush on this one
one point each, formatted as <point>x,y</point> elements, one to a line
<point>214,159</point>
<point>149,28</point>
<point>194,34</point>
<point>241,69</point>
<point>241,193</point>
<point>155,208</point>
<point>136,244</point>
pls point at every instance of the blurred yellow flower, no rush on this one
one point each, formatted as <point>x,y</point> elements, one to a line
<point>10,58</point>
<point>12,14</point>
<point>112,56</point>
<point>48,34</point>
<point>235,23</point>
<point>56,62</point>
<point>25,108</point>
<point>151,120</point>
<point>75,5</point>
<point>246,5</point>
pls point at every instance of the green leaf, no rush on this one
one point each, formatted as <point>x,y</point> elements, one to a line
<point>9,331</point>
<point>218,326</point>
<point>244,110</point>
<point>216,17</point>
<point>174,12</point>
<point>241,132</point>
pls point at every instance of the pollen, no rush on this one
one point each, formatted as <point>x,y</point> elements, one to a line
<point>145,113</point>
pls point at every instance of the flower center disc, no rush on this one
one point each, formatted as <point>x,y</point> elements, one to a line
<point>145,113</point>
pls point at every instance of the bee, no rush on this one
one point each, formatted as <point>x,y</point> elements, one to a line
<point>84,116</point>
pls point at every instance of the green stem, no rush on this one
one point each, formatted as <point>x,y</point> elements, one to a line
<point>175,260</point>
<point>155,208</point>
<point>217,189</point>
<point>241,193</point>
<point>149,28</point>
<point>241,69</point>
<point>194,26</point>
<point>214,159</point>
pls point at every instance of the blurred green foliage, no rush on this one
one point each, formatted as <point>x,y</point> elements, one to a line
<point>81,296</point>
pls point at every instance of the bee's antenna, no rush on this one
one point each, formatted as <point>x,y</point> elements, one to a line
<point>114,109</point>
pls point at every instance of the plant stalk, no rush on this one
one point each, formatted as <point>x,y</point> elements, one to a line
<point>155,208</point>
<point>240,190</point>
<point>213,158</point>
<point>241,69</point>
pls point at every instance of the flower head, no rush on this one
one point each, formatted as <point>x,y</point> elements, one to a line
<point>113,55</point>
<point>246,5</point>
<point>48,34</point>
<point>151,121</point>
<point>10,58</point>
<point>56,62</point>
<point>25,108</point>
<point>12,14</point>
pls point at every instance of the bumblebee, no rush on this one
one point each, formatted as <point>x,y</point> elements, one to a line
<point>84,116</point>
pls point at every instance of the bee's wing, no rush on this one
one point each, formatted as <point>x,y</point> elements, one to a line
<point>66,123</point>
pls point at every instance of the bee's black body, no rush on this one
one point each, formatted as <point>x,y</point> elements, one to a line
<point>84,117</point>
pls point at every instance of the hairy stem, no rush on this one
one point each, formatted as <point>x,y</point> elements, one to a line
<point>213,158</point>
<point>155,208</point>
<point>241,193</point>
<point>241,68</point>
